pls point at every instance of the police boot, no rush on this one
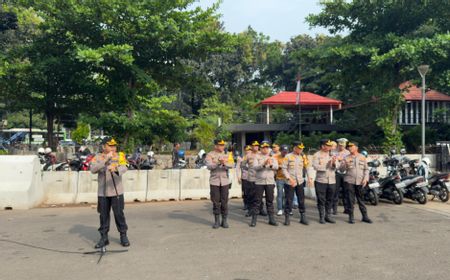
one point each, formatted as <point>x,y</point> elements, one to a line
<point>335,210</point>
<point>328,218</point>
<point>303,219</point>
<point>272,220</point>
<point>248,213</point>
<point>224,221</point>
<point>321,216</point>
<point>351,218</point>
<point>102,242</point>
<point>287,220</point>
<point>366,219</point>
<point>262,212</point>
<point>216,222</point>
<point>124,240</point>
<point>253,223</point>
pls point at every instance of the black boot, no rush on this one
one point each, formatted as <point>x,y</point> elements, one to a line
<point>224,221</point>
<point>303,219</point>
<point>335,210</point>
<point>328,219</point>
<point>216,222</point>
<point>351,218</point>
<point>366,219</point>
<point>102,242</point>
<point>254,218</point>
<point>272,220</point>
<point>124,240</point>
<point>321,216</point>
<point>346,211</point>
<point>263,212</point>
<point>287,220</point>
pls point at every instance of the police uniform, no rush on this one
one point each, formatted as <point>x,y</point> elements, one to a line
<point>325,181</point>
<point>340,190</point>
<point>219,182</point>
<point>357,173</point>
<point>110,193</point>
<point>251,177</point>
<point>265,167</point>
<point>293,168</point>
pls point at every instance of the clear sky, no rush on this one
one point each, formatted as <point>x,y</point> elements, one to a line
<point>279,19</point>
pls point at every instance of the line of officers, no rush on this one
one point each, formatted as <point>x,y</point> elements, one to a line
<point>341,171</point>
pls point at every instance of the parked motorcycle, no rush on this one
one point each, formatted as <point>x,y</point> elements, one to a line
<point>372,190</point>
<point>438,184</point>
<point>200,161</point>
<point>148,163</point>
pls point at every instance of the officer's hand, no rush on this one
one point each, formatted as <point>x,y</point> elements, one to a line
<point>364,183</point>
<point>112,168</point>
<point>240,181</point>
<point>109,155</point>
<point>221,160</point>
<point>310,183</point>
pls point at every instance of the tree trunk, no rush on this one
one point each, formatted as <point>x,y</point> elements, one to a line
<point>50,119</point>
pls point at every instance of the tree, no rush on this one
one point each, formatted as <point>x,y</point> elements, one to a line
<point>379,53</point>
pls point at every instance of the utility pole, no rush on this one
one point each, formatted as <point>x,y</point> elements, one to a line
<point>299,108</point>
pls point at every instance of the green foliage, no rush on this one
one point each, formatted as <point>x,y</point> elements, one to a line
<point>21,119</point>
<point>81,133</point>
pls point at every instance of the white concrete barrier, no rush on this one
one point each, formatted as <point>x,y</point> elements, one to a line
<point>163,184</point>
<point>236,188</point>
<point>135,185</point>
<point>20,182</point>
<point>87,187</point>
<point>194,184</point>
<point>60,187</point>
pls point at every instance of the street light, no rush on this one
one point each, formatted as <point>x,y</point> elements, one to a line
<point>423,69</point>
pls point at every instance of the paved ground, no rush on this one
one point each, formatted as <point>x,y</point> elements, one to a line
<point>174,240</point>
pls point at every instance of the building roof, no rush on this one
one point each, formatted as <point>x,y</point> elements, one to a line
<point>306,99</point>
<point>413,93</point>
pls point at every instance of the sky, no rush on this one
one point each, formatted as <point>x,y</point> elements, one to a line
<point>279,19</point>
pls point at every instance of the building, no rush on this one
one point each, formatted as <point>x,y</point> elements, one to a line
<point>437,106</point>
<point>280,113</point>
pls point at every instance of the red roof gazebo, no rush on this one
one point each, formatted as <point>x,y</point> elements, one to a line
<point>308,101</point>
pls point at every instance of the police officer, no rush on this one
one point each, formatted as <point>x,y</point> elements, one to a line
<point>110,166</point>
<point>325,183</point>
<point>242,173</point>
<point>265,166</point>
<point>340,153</point>
<point>252,177</point>
<point>218,162</point>
<point>293,168</point>
<point>356,177</point>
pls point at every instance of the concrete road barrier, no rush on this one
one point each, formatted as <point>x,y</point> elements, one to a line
<point>194,184</point>
<point>135,185</point>
<point>20,182</point>
<point>87,187</point>
<point>60,187</point>
<point>163,185</point>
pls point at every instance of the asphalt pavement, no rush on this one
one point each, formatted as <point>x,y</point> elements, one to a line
<point>174,240</point>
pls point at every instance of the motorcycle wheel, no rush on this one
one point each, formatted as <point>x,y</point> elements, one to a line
<point>373,198</point>
<point>443,194</point>
<point>398,196</point>
<point>422,197</point>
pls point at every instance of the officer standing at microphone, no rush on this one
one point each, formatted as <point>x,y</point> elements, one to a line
<point>110,166</point>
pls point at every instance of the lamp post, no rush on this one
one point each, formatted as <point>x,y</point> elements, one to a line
<point>299,108</point>
<point>423,69</point>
